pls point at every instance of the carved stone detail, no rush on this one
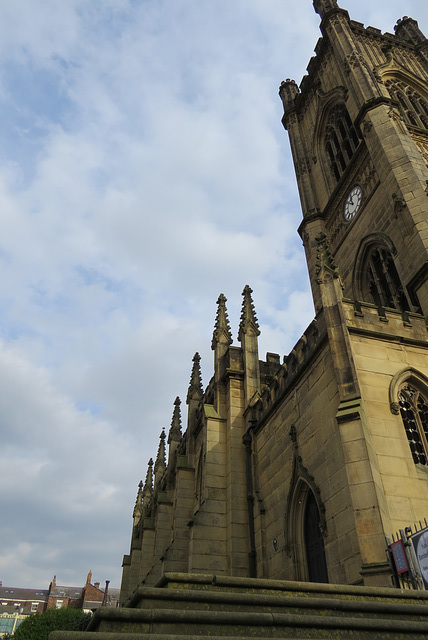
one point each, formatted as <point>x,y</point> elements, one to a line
<point>399,205</point>
<point>291,120</point>
<point>336,20</point>
<point>422,144</point>
<point>354,60</point>
<point>366,126</point>
<point>395,408</point>
<point>303,167</point>
<point>396,117</point>
<point>377,76</point>
<point>325,265</point>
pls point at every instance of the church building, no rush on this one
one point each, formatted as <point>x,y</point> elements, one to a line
<point>296,467</point>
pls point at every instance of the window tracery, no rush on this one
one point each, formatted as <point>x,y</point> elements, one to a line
<point>341,139</point>
<point>383,282</point>
<point>414,413</point>
<point>376,276</point>
<point>413,107</point>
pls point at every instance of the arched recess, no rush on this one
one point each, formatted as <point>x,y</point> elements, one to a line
<point>376,276</point>
<point>408,396</point>
<point>340,140</point>
<point>407,91</point>
<point>335,138</point>
<point>305,524</point>
<point>199,478</point>
<point>412,105</point>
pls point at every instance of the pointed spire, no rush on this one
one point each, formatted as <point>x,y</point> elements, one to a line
<point>222,331</point>
<point>147,493</point>
<point>195,391</point>
<point>160,464</point>
<point>139,501</point>
<point>148,485</point>
<point>322,7</point>
<point>248,314</point>
<point>175,434</point>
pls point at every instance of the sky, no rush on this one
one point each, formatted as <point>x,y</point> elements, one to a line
<point>144,170</point>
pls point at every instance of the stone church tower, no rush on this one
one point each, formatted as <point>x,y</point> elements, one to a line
<point>297,468</point>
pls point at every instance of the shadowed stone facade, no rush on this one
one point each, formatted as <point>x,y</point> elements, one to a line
<point>296,468</point>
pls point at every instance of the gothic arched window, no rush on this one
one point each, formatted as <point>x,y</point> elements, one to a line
<point>341,139</point>
<point>199,480</point>
<point>413,107</point>
<point>383,284</point>
<point>376,276</point>
<point>414,413</point>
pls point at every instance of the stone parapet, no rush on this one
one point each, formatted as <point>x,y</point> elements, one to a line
<point>364,317</point>
<point>294,365</point>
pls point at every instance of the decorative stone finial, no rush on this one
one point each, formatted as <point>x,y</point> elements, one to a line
<point>195,391</point>
<point>288,91</point>
<point>324,258</point>
<point>222,331</point>
<point>160,464</point>
<point>148,485</point>
<point>408,29</point>
<point>322,7</point>
<point>175,434</point>
<point>248,315</point>
<point>139,501</point>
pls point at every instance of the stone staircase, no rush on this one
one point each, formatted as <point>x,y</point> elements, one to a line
<point>184,606</point>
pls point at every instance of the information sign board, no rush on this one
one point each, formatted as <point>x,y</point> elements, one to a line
<point>420,544</point>
<point>399,557</point>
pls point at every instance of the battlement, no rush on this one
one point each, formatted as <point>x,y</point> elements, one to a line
<point>406,34</point>
<point>293,366</point>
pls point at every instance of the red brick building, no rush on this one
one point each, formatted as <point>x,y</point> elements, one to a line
<point>16,603</point>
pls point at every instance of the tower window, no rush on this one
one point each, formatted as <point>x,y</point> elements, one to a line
<point>341,139</point>
<point>414,413</point>
<point>413,107</point>
<point>384,285</point>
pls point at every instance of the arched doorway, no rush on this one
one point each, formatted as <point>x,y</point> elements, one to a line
<point>314,542</point>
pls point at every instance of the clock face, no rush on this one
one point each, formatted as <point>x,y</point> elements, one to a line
<point>352,203</point>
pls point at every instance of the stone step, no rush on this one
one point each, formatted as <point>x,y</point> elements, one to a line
<point>284,588</point>
<point>156,636</point>
<point>140,623</point>
<point>150,598</point>
<point>195,606</point>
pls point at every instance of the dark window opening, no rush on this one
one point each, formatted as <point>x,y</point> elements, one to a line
<point>314,543</point>
<point>413,107</point>
<point>341,139</point>
<point>414,413</point>
<point>383,282</point>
